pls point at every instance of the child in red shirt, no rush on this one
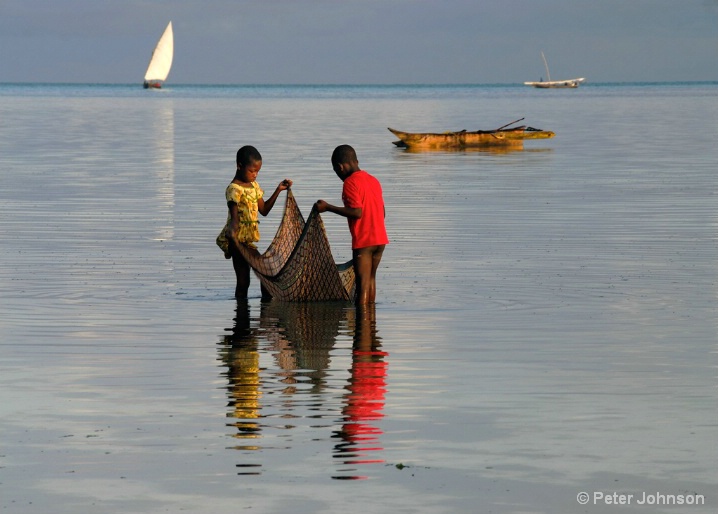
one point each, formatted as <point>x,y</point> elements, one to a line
<point>364,210</point>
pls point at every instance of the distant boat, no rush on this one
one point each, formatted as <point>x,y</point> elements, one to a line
<point>161,60</point>
<point>501,137</point>
<point>554,84</point>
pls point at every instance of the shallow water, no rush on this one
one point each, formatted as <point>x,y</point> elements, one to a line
<point>545,323</point>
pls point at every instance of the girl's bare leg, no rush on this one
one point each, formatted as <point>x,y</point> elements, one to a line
<point>266,295</point>
<point>241,269</point>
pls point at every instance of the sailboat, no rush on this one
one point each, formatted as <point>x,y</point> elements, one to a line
<point>161,60</point>
<point>548,84</point>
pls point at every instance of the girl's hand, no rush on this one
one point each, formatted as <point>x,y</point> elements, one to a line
<point>284,184</point>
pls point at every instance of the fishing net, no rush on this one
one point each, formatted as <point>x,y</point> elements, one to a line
<point>298,265</point>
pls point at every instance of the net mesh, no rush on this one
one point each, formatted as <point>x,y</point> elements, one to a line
<point>298,265</point>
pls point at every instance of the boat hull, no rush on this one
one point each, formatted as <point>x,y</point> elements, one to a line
<point>513,137</point>
<point>152,84</point>
<point>557,84</point>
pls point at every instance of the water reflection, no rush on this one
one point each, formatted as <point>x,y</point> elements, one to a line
<point>239,351</point>
<point>162,127</point>
<point>282,384</point>
<point>302,334</point>
<point>364,400</point>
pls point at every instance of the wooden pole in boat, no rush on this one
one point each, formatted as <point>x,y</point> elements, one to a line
<point>548,74</point>
<point>520,119</point>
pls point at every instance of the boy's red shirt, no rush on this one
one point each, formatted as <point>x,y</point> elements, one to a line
<point>362,190</point>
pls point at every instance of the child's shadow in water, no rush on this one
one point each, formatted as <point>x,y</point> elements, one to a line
<point>301,337</point>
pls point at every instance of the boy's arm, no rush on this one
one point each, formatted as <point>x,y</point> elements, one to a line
<point>347,212</point>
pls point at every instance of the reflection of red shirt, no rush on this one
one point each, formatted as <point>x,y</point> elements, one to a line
<point>367,391</point>
<point>364,191</point>
<point>365,402</point>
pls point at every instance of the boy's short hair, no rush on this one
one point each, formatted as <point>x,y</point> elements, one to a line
<point>247,155</point>
<point>344,154</point>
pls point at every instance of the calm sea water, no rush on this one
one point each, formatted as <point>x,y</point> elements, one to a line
<point>545,326</point>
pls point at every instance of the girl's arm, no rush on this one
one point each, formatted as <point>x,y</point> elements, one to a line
<point>265,207</point>
<point>233,228</point>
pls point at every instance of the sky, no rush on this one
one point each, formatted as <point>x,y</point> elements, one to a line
<point>360,41</point>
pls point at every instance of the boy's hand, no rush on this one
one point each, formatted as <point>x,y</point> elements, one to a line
<point>321,206</point>
<point>284,184</point>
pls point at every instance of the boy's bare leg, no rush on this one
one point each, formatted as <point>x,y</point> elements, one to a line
<point>366,262</point>
<point>376,259</point>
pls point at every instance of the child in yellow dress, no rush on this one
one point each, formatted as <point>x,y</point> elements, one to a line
<point>245,199</point>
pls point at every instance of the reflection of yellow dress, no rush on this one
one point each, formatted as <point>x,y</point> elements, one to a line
<point>247,200</point>
<point>244,382</point>
<point>243,373</point>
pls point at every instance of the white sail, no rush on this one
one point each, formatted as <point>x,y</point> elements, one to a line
<point>161,60</point>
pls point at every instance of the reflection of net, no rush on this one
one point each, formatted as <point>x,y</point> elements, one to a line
<point>298,264</point>
<point>307,330</point>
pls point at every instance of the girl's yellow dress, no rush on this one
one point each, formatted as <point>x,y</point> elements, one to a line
<point>247,200</point>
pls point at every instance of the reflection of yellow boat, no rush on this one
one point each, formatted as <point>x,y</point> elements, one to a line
<point>487,149</point>
<point>463,139</point>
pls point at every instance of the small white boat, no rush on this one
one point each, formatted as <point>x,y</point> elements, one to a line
<point>547,84</point>
<point>161,60</point>
<point>555,84</point>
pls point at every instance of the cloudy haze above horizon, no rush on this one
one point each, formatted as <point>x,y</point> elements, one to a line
<point>361,41</point>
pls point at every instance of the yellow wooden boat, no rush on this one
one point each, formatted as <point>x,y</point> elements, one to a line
<point>464,139</point>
